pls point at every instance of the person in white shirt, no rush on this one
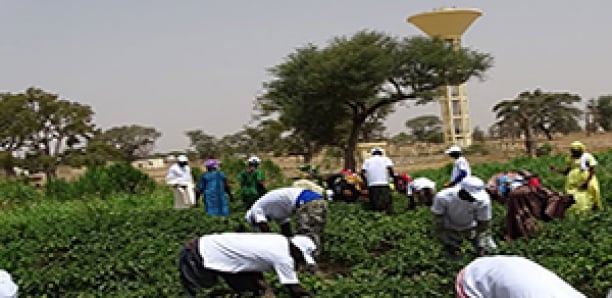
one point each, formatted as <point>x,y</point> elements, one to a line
<point>241,258</point>
<point>310,209</point>
<point>376,172</point>
<point>510,277</point>
<point>463,212</point>
<point>179,177</point>
<point>461,167</point>
<point>8,289</point>
<point>420,189</point>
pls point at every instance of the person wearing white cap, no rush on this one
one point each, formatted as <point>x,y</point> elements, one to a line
<point>241,258</point>
<point>510,277</point>
<point>461,167</point>
<point>376,171</point>
<point>463,212</point>
<point>179,177</point>
<point>8,289</point>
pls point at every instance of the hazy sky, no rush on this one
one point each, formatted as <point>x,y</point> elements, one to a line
<point>183,65</point>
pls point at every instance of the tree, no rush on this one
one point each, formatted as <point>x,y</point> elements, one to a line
<point>478,134</point>
<point>532,111</point>
<point>604,110</point>
<point>204,144</point>
<point>15,128</point>
<point>133,141</point>
<point>427,128</point>
<point>354,78</point>
<point>54,125</point>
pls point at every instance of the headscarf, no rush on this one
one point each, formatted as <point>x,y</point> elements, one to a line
<point>577,146</point>
<point>211,164</point>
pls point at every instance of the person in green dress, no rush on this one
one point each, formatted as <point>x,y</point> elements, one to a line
<point>251,182</point>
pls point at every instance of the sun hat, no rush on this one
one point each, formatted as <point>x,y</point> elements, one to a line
<point>7,287</point>
<point>475,187</point>
<point>453,149</point>
<point>306,246</point>
<point>182,158</point>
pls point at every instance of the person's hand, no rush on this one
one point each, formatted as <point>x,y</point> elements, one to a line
<point>268,293</point>
<point>447,184</point>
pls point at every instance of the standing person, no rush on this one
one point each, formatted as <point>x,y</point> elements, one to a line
<point>420,189</point>
<point>463,212</point>
<point>581,181</point>
<point>510,277</point>
<point>179,177</point>
<point>251,182</point>
<point>213,186</point>
<point>8,289</point>
<point>461,167</point>
<point>279,204</point>
<point>376,171</point>
<point>241,258</point>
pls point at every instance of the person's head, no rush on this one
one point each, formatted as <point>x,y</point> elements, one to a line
<point>182,160</point>
<point>253,162</point>
<point>576,149</point>
<point>302,250</point>
<point>426,195</point>
<point>453,151</point>
<point>7,287</point>
<point>377,151</point>
<point>211,165</point>
<point>472,189</point>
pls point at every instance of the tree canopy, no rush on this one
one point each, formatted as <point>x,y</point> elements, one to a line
<point>426,128</point>
<point>546,112</point>
<point>133,141</point>
<point>327,95</point>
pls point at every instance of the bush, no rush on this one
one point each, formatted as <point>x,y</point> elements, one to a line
<point>14,192</point>
<point>544,150</point>
<point>102,182</point>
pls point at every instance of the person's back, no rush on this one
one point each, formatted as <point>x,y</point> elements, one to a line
<point>459,214</point>
<point>511,277</point>
<point>8,289</point>
<point>377,170</point>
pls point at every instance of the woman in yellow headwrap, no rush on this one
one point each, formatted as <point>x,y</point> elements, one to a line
<point>581,181</point>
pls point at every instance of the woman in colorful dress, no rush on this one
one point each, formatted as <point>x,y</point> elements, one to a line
<point>213,186</point>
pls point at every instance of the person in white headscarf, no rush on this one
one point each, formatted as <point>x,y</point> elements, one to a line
<point>179,177</point>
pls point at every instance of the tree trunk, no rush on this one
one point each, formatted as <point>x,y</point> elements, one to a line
<point>349,153</point>
<point>529,142</point>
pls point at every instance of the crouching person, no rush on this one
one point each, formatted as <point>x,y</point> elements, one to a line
<point>241,258</point>
<point>463,212</point>
<point>279,204</point>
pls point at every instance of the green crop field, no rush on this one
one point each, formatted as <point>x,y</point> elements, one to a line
<point>121,239</point>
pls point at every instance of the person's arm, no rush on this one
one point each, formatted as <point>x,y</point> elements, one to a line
<point>296,290</point>
<point>483,232</point>
<point>363,176</point>
<point>585,184</point>
<point>264,287</point>
<point>438,225</point>
<point>462,174</point>
<point>264,227</point>
<point>286,229</point>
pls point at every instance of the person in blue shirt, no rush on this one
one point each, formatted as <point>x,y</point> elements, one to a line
<point>213,186</point>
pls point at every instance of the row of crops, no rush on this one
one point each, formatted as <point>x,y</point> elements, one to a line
<point>125,243</point>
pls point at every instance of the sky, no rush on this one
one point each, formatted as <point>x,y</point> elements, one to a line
<point>185,65</point>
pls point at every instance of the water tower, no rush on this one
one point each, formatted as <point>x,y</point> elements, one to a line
<point>450,24</point>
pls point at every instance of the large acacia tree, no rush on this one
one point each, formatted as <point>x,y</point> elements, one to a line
<point>318,91</point>
<point>537,111</point>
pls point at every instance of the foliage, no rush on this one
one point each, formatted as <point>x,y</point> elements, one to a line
<point>544,150</point>
<point>204,144</point>
<point>478,135</point>
<point>537,111</point>
<point>426,128</point>
<point>604,110</point>
<point>133,141</point>
<point>17,192</point>
<point>127,246</point>
<point>359,79</point>
<point>101,182</point>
